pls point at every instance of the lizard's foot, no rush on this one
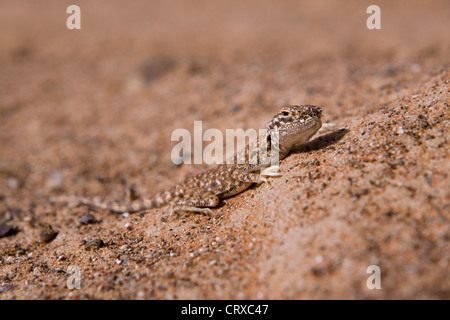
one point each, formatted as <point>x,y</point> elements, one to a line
<point>190,209</point>
<point>327,127</point>
<point>272,171</point>
<point>261,179</point>
<point>252,177</point>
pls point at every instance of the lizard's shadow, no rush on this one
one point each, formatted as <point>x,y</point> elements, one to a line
<point>322,141</point>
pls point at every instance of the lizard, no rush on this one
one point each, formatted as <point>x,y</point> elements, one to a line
<point>293,125</point>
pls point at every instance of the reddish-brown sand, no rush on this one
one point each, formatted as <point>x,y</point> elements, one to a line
<point>91,112</point>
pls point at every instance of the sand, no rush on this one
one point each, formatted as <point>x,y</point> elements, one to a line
<point>91,112</point>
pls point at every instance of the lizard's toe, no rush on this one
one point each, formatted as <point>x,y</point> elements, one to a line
<point>272,171</point>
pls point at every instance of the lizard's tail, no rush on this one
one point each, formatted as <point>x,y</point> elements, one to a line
<point>137,205</point>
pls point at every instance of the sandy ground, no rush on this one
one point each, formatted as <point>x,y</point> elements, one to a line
<point>91,112</point>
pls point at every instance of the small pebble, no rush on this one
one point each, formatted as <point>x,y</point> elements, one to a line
<point>86,218</point>
<point>55,181</point>
<point>5,230</point>
<point>12,183</point>
<point>94,244</point>
<point>235,108</point>
<point>47,233</point>
<point>6,287</point>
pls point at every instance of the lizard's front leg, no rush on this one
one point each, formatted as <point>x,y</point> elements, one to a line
<point>252,177</point>
<point>272,171</point>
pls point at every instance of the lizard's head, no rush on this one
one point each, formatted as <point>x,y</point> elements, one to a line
<point>296,124</point>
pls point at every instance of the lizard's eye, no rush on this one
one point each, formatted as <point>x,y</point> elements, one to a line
<point>285,113</point>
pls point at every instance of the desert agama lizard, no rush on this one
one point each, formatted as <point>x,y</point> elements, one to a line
<point>294,125</point>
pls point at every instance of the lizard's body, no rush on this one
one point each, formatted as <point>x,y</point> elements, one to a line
<point>294,124</point>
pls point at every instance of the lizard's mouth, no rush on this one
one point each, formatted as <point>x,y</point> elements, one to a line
<point>301,131</point>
